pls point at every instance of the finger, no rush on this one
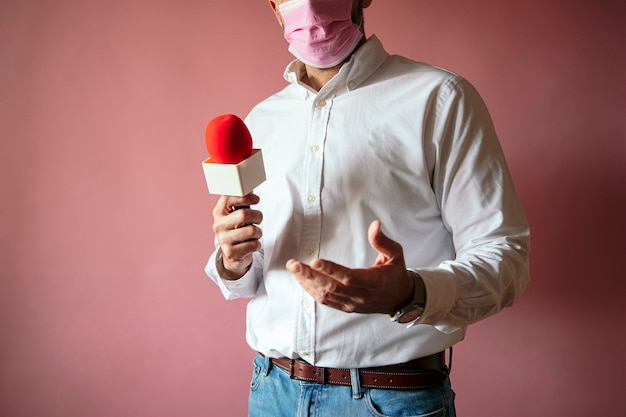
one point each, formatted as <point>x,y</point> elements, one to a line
<point>295,267</point>
<point>235,220</point>
<point>322,280</point>
<point>236,236</point>
<point>239,245</point>
<point>332,270</point>
<point>307,276</point>
<point>244,217</point>
<point>317,284</point>
<point>220,208</point>
<point>243,202</point>
<point>241,251</point>
<point>340,278</point>
<point>387,248</point>
<point>227,204</point>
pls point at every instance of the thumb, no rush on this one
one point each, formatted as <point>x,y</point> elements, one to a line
<point>386,247</point>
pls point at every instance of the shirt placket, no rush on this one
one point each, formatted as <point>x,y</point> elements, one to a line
<point>311,228</point>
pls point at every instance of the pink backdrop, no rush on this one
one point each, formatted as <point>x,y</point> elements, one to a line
<point>105,221</point>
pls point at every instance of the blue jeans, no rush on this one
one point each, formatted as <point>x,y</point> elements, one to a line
<point>274,394</point>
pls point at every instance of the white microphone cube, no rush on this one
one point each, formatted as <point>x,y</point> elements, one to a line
<point>235,179</point>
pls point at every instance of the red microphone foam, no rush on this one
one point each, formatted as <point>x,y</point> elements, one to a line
<point>228,140</point>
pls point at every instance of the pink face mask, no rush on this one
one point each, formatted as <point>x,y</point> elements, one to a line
<point>320,32</point>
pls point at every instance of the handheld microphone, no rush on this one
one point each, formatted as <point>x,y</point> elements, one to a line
<point>233,167</point>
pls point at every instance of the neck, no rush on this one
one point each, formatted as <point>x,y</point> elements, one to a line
<point>316,78</point>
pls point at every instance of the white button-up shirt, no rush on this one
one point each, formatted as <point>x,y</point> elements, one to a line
<point>402,142</point>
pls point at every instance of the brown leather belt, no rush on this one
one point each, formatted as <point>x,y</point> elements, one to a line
<point>420,373</point>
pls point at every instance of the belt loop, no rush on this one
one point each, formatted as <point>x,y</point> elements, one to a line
<point>355,378</point>
<point>450,362</point>
<point>320,375</point>
<point>267,365</point>
<point>292,364</point>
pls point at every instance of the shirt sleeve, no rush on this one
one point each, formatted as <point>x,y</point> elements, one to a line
<point>480,208</point>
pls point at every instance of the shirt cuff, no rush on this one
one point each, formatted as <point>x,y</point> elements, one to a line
<point>231,289</point>
<point>440,297</point>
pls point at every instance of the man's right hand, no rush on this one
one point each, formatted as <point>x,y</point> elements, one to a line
<point>237,232</point>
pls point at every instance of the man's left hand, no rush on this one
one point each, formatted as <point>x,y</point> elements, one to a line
<point>384,287</point>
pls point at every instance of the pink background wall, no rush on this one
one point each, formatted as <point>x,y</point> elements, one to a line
<point>105,221</point>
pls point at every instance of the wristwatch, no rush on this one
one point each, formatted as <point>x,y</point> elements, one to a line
<point>415,308</point>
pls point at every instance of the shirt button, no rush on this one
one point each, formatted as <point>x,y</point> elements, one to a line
<point>351,85</point>
<point>315,148</point>
<point>304,354</point>
<point>310,250</point>
<point>321,103</point>
<point>311,198</point>
<point>306,304</point>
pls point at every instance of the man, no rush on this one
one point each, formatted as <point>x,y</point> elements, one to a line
<point>349,320</point>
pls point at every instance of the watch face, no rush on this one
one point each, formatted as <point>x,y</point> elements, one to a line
<point>409,316</point>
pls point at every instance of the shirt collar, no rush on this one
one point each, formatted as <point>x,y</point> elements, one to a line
<point>361,65</point>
